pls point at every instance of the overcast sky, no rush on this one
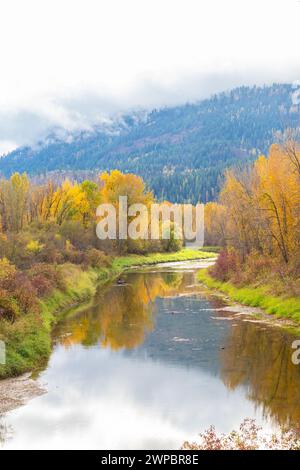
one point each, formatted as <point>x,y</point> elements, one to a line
<point>69,63</point>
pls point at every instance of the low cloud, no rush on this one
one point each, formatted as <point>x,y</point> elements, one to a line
<point>82,109</point>
<point>66,69</point>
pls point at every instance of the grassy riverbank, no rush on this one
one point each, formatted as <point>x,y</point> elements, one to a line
<point>281,307</point>
<point>187,254</point>
<point>28,340</point>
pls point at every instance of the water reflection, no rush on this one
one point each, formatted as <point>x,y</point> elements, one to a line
<point>260,358</point>
<point>4,431</point>
<point>122,315</point>
<point>153,362</point>
<point>101,400</point>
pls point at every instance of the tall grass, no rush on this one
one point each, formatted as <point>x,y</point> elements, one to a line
<point>281,307</point>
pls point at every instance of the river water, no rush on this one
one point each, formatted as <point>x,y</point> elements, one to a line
<point>151,363</point>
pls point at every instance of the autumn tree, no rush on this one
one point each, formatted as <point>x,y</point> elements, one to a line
<point>116,184</point>
<point>13,202</point>
<point>260,209</point>
<point>90,201</point>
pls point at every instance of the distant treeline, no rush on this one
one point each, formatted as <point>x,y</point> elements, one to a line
<point>181,152</point>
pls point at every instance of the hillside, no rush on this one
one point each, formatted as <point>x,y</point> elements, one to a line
<point>180,151</point>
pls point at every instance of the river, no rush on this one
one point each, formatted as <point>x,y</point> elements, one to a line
<point>151,363</point>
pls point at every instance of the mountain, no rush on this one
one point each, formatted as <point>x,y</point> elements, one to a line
<point>180,151</point>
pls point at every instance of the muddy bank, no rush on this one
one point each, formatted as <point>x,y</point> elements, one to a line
<point>18,391</point>
<point>234,311</point>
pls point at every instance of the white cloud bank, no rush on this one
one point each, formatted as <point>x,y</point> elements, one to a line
<point>69,63</point>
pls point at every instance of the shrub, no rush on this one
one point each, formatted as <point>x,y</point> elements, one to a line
<point>23,291</point>
<point>46,277</point>
<point>14,249</point>
<point>51,254</point>
<point>17,295</point>
<point>226,265</point>
<point>75,256</point>
<point>138,247</point>
<point>96,258</point>
<point>9,308</point>
<point>42,285</point>
<point>34,247</point>
<point>173,243</point>
<point>248,437</point>
<point>7,270</point>
<point>255,267</point>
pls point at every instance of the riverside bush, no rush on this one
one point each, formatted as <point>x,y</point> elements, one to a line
<point>249,436</point>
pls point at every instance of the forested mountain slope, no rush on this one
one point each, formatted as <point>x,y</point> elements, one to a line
<point>181,151</point>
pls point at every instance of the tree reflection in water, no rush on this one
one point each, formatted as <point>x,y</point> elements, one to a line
<point>254,356</point>
<point>4,431</point>
<point>120,316</point>
<point>260,358</point>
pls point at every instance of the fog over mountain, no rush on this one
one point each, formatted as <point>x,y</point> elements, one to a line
<point>180,151</point>
<point>69,68</point>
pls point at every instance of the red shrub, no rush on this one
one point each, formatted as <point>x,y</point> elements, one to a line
<point>22,290</point>
<point>226,265</point>
<point>46,277</point>
<point>42,285</point>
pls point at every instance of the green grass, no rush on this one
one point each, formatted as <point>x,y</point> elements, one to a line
<point>281,307</point>
<point>211,249</point>
<point>186,254</point>
<point>28,345</point>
